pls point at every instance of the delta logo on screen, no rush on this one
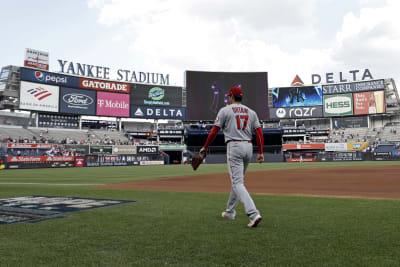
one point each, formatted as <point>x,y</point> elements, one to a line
<point>39,93</point>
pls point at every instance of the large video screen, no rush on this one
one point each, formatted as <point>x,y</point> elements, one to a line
<point>206,92</point>
<point>303,96</point>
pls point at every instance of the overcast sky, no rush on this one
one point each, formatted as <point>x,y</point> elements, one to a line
<point>284,38</point>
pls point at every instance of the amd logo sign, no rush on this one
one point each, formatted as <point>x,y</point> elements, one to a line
<point>296,112</point>
<point>147,150</point>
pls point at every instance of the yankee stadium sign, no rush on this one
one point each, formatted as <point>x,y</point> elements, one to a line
<point>100,72</point>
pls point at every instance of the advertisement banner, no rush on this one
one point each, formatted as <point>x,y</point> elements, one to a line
<point>165,132</point>
<point>350,122</point>
<point>147,150</point>
<point>79,161</point>
<point>30,162</point>
<point>101,85</point>
<point>77,101</point>
<point>359,146</point>
<point>153,162</point>
<point>100,150</point>
<point>78,149</point>
<point>396,153</point>
<point>48,78</point>
<point>11,159</point>
<point>336,147</point>
<point>301,160</point>
<point>26,145</point>
<point>296,96</point>
<point>296,112</point>
<point>340,88</point>
<point>294,131</point>
<point>346,156</point>
<point>34,96</point>
<point>150,95</point>
<point>338,105</point>
<point>124,150</point>
<point>36,59</point>
<point>114,160</point>
<point>369,102</point>
<point>158,112</point>
<point>303,146</point>
<point>112,104</point>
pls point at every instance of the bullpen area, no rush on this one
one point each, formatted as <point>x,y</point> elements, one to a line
<point>314,214</point>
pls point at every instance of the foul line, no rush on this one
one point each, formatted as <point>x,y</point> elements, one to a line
<point>50,184</point>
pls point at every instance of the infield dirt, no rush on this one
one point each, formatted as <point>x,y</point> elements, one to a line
<point>362,182</point>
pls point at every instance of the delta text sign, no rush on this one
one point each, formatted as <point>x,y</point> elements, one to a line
<point>158,112</point>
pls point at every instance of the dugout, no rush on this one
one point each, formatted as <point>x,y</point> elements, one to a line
<point>195,137</point>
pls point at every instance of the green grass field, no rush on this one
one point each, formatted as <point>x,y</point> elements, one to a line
<point>185,229</point>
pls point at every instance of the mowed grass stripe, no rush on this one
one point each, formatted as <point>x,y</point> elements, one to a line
<point>110,175</point>
<point>185,229</point>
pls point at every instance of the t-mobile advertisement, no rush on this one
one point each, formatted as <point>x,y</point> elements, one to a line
<point>112,104</point>
<point>207,92</point>
<point>369,102</point>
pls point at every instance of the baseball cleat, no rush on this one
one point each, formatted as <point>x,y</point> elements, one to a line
<point>254,222</point>
<point>225,215</point>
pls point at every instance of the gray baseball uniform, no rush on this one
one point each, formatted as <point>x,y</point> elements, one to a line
<point>238,123</point>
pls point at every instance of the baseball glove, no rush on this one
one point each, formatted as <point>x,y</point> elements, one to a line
<point>197,159</point>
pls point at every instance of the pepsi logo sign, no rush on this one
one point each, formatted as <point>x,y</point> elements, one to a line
<point>39,75</point>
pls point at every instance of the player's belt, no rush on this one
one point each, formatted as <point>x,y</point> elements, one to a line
<point>238,141</point>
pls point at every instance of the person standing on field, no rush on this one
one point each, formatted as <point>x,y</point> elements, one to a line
<point>238,123</point>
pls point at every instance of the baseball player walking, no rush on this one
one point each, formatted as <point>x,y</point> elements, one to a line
<point>238,122</point>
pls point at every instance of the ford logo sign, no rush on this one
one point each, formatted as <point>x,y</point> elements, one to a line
<point>78,99</point>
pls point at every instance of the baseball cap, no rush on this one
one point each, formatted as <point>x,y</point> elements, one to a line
<point>237,91</point>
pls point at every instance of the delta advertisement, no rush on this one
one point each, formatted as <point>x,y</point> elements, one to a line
<point>369,102</point>
<point>150,95</point>
<point>77,101</point>
<point>48,78</point>
<point>158,112</point>
<point>338,105</point>
<point>296,96</point>
<point>41,97</point>
<point>112,104</point>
